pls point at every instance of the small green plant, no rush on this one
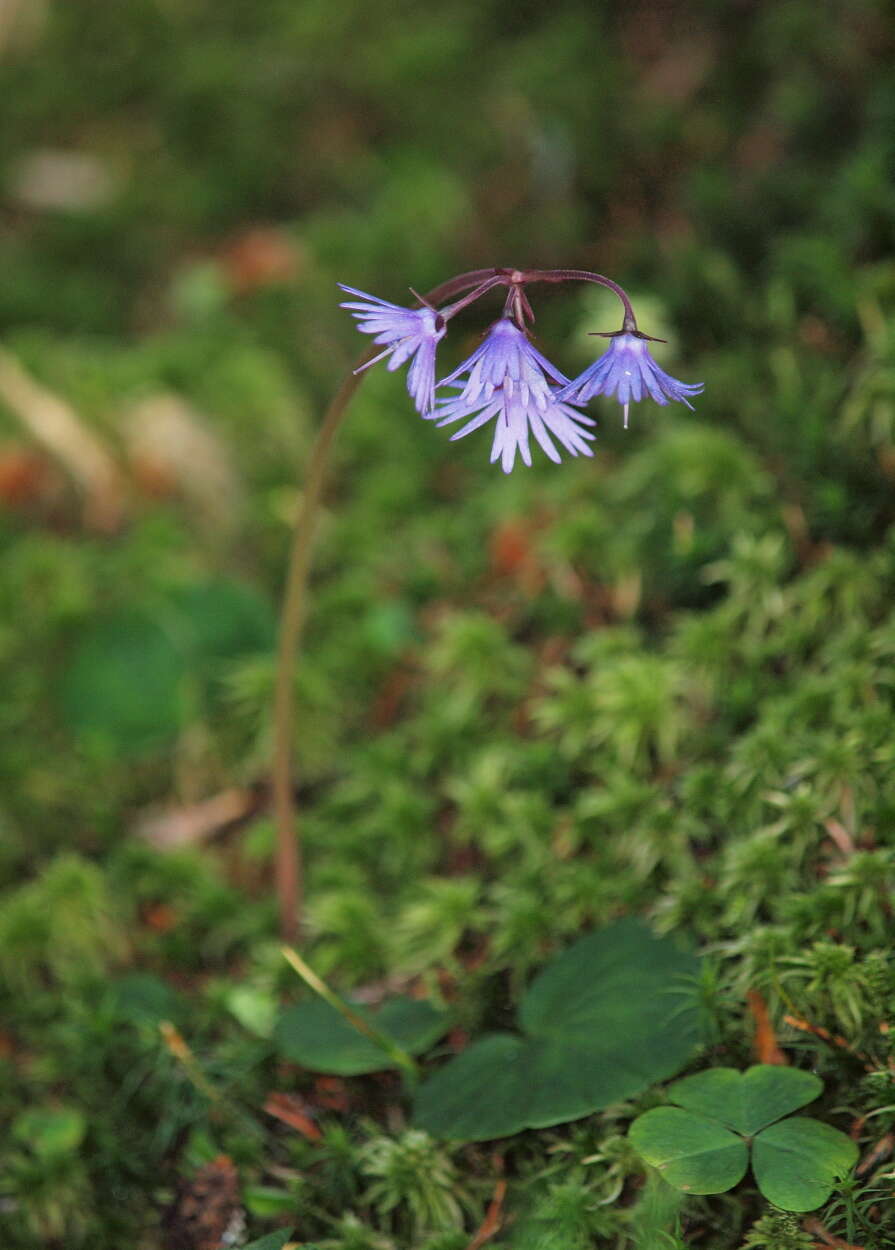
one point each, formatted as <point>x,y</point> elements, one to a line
<point>611,1015</point>
<point>274,1241</point>
<point>777,1231</point>
<point>318,1037</point>
<point>413,1183</point>
<point>703,1144</point>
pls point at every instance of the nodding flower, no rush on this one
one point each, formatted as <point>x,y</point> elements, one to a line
<point>404,334</point>
<point>506,379</point>
<point>510,382</point>
<point>627,370</point>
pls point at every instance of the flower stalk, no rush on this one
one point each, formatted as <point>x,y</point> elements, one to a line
<point>505,381</point>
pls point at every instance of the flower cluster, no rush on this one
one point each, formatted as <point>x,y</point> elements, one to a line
<point>506,380</point>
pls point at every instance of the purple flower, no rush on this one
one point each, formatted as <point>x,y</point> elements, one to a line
<point>627,370</point>
<point>510,381</point>
<point>404,333</point>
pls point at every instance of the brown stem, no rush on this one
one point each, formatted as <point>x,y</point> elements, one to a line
<point>288,872</point>
<point>584,275</point>
<point>289,868</point>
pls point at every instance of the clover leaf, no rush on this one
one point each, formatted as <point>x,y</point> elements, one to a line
<point>612,1014</point>
<point>691,1151</point>
<point>702,1144</point>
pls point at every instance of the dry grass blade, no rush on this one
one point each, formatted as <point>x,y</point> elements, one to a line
<point>172,827</point>
<point>56,426</point>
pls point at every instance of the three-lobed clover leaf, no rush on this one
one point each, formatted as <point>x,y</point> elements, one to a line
<point>702,1144</point>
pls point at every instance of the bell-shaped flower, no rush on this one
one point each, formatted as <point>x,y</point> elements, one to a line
<point>627,370</point>
<point>404,334</point>
<point>509,382</point>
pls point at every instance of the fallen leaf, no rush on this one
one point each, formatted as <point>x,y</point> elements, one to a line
<point>262,256</point>
<point>513,554</point>
<point>293,1111</point>
<point>186,825</point>
<point>60,431</point>
<point>174,449</point>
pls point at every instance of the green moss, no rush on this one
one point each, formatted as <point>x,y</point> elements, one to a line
<point>658,682</point>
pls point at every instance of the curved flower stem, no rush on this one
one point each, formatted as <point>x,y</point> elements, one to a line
<point>289,871</point>
<point>496,279</point>
<point>463,282</point>
<point>584,275</point>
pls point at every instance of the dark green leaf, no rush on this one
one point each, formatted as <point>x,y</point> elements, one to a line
<point>123,686</point>
<point>142,998</point>
<point>692,1153</point>
<point>613,1014</point>
<point>485,1092</point>
<point>318,1037</point>
<point>221,620</point>
<point>621,980</point>
<point>746,1101</point>
<point>796,1162</point>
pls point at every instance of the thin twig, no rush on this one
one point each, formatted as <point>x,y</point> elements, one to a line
<point>490,1225</point>
<point>57,427</point>
<point>883,1148</point>
<point>832,1039</point>
<point>813,1226</point>
<point>289,867</point>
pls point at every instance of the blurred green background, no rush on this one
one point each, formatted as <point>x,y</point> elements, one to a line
<point>653,681</point>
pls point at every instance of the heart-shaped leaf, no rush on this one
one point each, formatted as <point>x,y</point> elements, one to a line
<point>221,620</point>
<point>122,690</point>
<point>746,1101</point>
<point>315,1035</point>
<point>613,1014</point>
<point>796,1162</point>
<point>693,1153</point>
<point>477,1095</point>
<point>141,998</point>
<point>127,686</point>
